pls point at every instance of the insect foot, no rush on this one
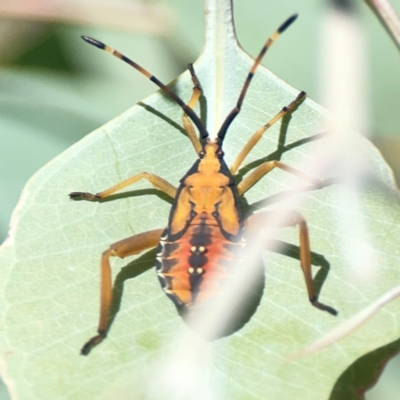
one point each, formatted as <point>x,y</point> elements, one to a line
<point>84,196</point>
<point>314,301</point>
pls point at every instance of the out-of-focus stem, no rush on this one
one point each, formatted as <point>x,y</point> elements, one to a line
<point>388,17</point>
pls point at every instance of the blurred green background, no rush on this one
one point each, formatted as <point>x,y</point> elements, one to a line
<point>55,89</point>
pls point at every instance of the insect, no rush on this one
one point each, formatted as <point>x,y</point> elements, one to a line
<point>206,228</point>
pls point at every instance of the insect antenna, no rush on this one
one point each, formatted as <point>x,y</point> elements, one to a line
<point>187,110</point>
<point>235,111</point>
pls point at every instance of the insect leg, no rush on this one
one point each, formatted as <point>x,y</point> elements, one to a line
<point>188,125</point>
<point>124,248</point>
<point>267,167</point>
<point>260,132</point>
<point>155,180</point>
<point>285,219</point>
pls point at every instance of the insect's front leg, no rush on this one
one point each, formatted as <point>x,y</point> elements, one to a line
<point>286,219</point>
<point>155,180</point>
<point>260,132</point>
<point>188,125</point>
<point>124,248</point>
<point>267,167</point>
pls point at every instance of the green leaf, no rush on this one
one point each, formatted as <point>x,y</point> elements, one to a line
<point>49,264</point>
<point>364,373</point>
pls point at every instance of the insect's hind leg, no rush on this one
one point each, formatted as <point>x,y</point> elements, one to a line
<point>285,219</point>
<point>124,248</point>
<point>260,132</point>
<point>187,123</point>
<point>155,180</point>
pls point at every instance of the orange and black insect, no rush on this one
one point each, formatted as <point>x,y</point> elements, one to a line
<point>205,230</point>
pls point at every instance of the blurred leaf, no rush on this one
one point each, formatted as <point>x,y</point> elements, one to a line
<point>48,52</point>
<point>388,382</point>
<point>363,373</point>
<point>49,265</point>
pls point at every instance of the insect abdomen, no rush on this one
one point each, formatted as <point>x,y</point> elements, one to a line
<point>194,269</point>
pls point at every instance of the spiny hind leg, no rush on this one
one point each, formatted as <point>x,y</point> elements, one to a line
<point>260,132</point>
<point>155,180</point>
<point>285,219</point>
<point>124,248</point>
<point>187,123</point>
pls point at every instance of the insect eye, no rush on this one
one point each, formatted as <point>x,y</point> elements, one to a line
<point>202,153</point>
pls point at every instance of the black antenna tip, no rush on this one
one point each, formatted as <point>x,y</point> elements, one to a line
<point>287,23</point>
<point>93,42</point>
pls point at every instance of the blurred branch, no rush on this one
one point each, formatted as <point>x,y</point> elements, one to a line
<point>388,17</point>
<point>134,16</point>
